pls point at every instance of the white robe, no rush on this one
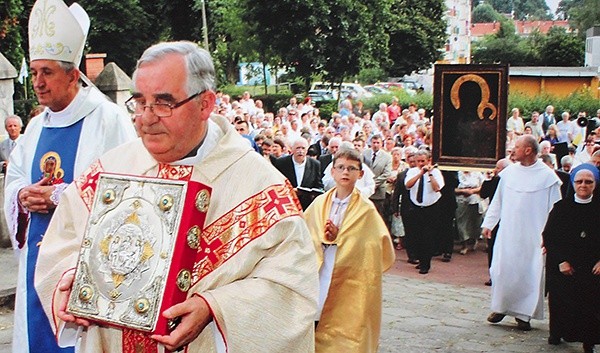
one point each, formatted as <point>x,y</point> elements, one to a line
<point>523,200</point>
<point>105,126</point>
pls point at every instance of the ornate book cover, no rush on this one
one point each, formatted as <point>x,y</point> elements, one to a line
<point>138,250</point>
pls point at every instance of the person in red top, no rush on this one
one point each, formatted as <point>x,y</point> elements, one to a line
<point>394,110</point>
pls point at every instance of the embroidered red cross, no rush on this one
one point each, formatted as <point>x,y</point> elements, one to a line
<point>89,179</point>
<point>209,250</point>
<point>277,202</point>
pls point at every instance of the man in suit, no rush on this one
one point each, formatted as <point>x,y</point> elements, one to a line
<point>320,147</point>
<point>13,125</point>
<point>332,148</point>
<point>548,118</point>
<point>564,177</point>
<point>380,163</point>
<point>301,171</point>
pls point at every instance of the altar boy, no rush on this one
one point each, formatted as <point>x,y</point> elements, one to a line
<point>354,248</point>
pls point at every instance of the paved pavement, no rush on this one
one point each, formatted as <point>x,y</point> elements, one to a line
<point>8,281</point>
<point>8,276</point>
<point>443,311</point>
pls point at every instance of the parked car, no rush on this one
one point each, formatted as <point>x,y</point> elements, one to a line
<point>358,90</point>
<point>318,95</point>
<point>377,89</point>
<point>409,87</point>
<point>388,85</point>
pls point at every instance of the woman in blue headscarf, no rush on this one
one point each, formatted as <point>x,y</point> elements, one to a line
<point>572,241</point>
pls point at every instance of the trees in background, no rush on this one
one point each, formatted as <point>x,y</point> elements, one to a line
<point>523,9</point>
<point>485,13</point>
<point>343,37</point>
<point>557,48</point>
<point>582,14</point>
<point>339,39</point>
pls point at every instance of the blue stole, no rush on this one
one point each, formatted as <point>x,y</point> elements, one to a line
<point>54,158</point>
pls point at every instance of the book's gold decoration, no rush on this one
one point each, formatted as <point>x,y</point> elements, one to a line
<point>87,242</point>
<point>142,305</point>
<point>109,196</point>
<point>86,293</point>
<point>114,294</point>
<point>193,237</point>
<point>202,200</point>
<point>166,202</point>
<point>85,297</point>
<point>184,280</point>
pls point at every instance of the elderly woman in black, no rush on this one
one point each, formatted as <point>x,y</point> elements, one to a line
<point>572,241</point>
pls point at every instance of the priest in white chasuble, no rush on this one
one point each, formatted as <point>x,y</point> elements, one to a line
<point>254,281</point>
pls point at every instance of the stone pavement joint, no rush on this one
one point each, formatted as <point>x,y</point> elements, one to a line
<point>421,316</point>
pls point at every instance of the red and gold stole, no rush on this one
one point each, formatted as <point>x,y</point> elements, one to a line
<point>220,240</point>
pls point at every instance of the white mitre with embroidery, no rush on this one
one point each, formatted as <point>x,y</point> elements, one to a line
<point>57,32</point>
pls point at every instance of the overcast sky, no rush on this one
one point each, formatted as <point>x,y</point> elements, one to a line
<point>552,4</point>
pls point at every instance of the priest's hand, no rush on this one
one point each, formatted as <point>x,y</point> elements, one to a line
<point>487,233</point>
<point>195,315</point>
<point>566,268</point>
<point>596,269</point>
<point>64,290</point>
<point>36,197</point>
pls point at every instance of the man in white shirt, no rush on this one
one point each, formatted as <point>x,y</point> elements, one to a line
<point>566,129</point>
<point>424,182</point>
<point>535,125</point>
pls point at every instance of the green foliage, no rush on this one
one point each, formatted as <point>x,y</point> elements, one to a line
<point>583,14</point>
<point>326,109</point>
<point>124,37</point>
<point>485,13</point>
<point>229,37</point>
<point>293,31</point>
<point>13,39</point>
<point>523,9</point>
<point>10,34</point>
<point>564,6</point>
<point>338,39</point>
<point>562,49</point>
<point>582,100</point>
<point>236,91</point>
<point>417,32</point>
<point>371,75</point>
<point>557,48</point>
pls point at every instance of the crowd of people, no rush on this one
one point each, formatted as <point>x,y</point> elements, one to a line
<point>408,191</point>
<point>397,175</point>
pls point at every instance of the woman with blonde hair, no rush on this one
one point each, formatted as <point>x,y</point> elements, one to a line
<point>552,135</point>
